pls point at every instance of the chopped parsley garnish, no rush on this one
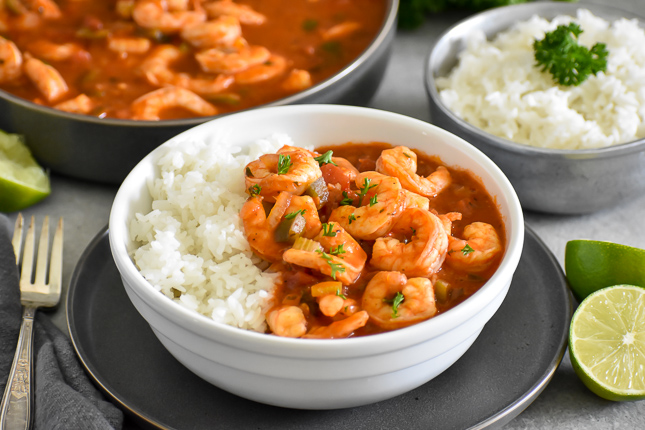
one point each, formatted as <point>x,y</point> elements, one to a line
<point>292,215</point>
<point>346,200</point>
<point>364,189</point>
<point>284,164</point>
<point>335,267</point>
<point>325,158</point>
<point>414,230</point>
<point>374,200</point>
<point>341,295</point>
<point>328,230</point>
<point>467,250</point>
<point>568,62</point>
<point>255,190</point>
<point>338,250</point>
<point>309,24</point>
<point>351,218</point>
<point>395,302</point>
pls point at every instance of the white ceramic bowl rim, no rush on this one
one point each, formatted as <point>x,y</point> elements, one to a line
<point>208,328</point>
<point>388,23</point>
<point>528,9</point>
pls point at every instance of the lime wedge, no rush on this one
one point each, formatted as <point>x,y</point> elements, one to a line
<point>22,181</point>
<point>607,342</point>
<point>591,265</point>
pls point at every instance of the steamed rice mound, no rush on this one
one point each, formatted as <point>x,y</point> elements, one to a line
<point>192,246</point>
<point>497,88</point>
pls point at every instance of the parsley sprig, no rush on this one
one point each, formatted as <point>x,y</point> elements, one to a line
<point>335,267</point>
<point>568,62</point>
<point>395,302</point>
<point>325,158</point>
<point>367,185</point>
<point>284,164</point>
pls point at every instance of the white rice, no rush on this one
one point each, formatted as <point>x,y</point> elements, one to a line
<point>497,88</point>
<point>192,241</point>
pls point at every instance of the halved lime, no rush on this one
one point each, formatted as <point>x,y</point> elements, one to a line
<point>592,264</point>
<point>22,181</point>
<point>607,342</point>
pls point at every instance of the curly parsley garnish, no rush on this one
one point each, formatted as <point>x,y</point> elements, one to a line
<point>255,190</point>
<point>284,164</point>
<point>367,185</point>
<point>292,215</point>
<point>328,230</point>
<point>338,250</point>
<point>346,200</point>
<point>351,218</point>
<point>335,267</point>
<point>395,302</point>
<point>325,158</point>
<point>374,200</point>
<point>467,250</point>
<point>568,62</point>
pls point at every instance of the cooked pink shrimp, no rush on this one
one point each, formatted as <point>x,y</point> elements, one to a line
<point>48,80</point>
<point>129,45</point>
<point>275,66</point>
<point>394,301</point>
<point>341,30</point>
<point>260,228</point>
<point>291,171</point>
<point>479,248</point>
<point>156,66</point>
<point>342,257</point>
<point>80,104</point>
<point>221,32</point>
<point>414,200</point>
<point>46,9</point>
<point>149,106</point>
<point>306,206</point>
<point>51,51</point>
<point>382,202</point>
<point>155,14</point>
<point>332,304</point>
<point>217,60</point>
<point>287,321</point>
<point>447,220</point>
<point>244,13</point>
<point>339,329</point>
<point>401,162</point>
<point>425,252</point>
<point>297,80</point>
<point>10,60</point>
<point>205,86</point>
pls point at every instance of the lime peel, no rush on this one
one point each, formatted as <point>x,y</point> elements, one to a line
<point>607,342</point>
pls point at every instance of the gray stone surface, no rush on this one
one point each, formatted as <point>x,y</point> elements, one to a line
<point>565,403</point>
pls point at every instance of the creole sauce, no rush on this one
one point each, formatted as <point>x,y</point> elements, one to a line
<point>466,195</point>
<point>294,29</point>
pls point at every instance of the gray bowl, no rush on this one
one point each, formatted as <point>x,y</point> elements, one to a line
<point>546,180</point>
<point>105,150</point>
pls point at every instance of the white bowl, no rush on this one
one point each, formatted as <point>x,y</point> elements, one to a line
<point>308,373</point>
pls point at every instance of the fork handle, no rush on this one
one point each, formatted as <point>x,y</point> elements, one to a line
<point>18,399</point>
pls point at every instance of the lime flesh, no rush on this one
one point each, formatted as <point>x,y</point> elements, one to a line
<point>22,181</point>
<point>607,342</point>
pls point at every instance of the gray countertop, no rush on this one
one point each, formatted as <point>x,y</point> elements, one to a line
<point>565,403</point>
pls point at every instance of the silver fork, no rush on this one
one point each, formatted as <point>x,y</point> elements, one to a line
<point>17,402</point>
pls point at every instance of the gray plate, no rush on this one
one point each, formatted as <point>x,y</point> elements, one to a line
<point>507,367</point>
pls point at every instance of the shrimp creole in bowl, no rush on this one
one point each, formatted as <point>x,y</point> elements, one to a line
<point>378,227</point>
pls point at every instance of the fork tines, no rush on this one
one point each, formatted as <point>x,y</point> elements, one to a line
<point>28,255</point>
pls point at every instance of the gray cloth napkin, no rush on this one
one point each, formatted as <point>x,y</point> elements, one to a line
<point>64,396</point>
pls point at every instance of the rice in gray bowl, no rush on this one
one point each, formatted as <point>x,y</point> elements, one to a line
<point>191,245</point>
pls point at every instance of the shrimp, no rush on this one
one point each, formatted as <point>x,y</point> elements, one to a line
<point>306,206</point>
<point>244,13</point>
<point>48,80</point>
<point>275,66</point>
<point>401,162</point>
<point>342,257</point>
<point>221,32</point>
<point>382,300</point>
<point>339,329</point>
<point>425,252</point>
<point>10,61</point>
<point>205,86</point>
<point>51,51</point>
<point>149,106</point>
<point>291,171</point>
<point>217,60</point>
<point>80,104</point>
<point>156,14</point>
<point>332,304</point>
<point>447,220</point>
<point>341,30</point>
<point>382,202</point>
<point>129,45</point>
<point>287,321</point>
<point>297,80</point>
<point>260,228</point>
<point>414,200</point>
<point>479,248</point>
